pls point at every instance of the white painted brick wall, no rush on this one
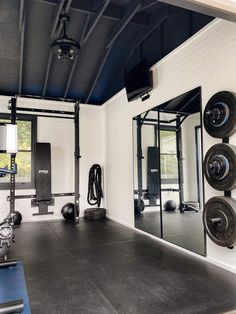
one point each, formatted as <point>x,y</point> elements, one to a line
<point>60,133</point>
<point>208,59</point>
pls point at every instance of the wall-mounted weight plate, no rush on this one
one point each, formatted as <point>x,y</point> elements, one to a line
<point>220,167</point>
<point>219,219</point>
<point>220,115</point>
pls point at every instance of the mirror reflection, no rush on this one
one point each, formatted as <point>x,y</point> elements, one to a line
<point>168,181</point>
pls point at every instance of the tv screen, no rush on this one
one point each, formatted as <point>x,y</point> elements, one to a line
<point>138,81</point>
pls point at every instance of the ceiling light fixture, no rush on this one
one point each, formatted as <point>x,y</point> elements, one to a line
<point>65,48</point>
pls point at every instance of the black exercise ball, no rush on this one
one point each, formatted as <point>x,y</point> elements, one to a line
<point>138,210</point>
<point>17,218</point>
<point>170,206</point>
<point>68,211</point>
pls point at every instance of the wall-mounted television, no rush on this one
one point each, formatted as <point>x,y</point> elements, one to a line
<point>138,81</point>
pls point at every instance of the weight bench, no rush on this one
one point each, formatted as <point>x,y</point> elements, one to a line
<point>189,206</point>
<point>43,180</point>
<point>13,291</point>
<point>153,184</point>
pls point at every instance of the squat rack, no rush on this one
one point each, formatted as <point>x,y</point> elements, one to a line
<point>49,113</point>
<point>158,126</point>
<point>12,160</point>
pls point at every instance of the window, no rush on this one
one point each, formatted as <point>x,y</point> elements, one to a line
<point>168,153</point>
<point>27,126</point>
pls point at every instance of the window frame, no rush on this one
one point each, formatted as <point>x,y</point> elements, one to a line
<point>171,129</point>
<point>33,120</point>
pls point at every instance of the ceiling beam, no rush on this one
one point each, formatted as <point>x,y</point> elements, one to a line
<point>55,23</point>
<point>223,9</point>
<point>74,64</point>
<point>95,19</point>
<point>90,25</point>
<point>135,6</point>
<point>146,4</point>
<point>76,58</point>
<point>63,4</point>
<point>22,40</point>
<point>66,10</point>
<point>98,73</point>
<point>45,84</point>
<point>56,18</point>
<point>85,37</point>
<point>112,12</point>
<point>139,40</point>
<point>129,14</point>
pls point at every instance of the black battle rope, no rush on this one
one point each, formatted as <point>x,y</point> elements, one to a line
<point>95,185</point>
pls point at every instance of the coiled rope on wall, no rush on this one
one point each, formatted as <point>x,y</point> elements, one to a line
<point>95,193</point>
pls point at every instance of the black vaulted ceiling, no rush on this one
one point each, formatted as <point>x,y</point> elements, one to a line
<point>113,34</point>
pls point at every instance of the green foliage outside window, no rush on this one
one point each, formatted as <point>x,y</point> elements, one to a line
<point>169,163</point>
<point>23,157</point>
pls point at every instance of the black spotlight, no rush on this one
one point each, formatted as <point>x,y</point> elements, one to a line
<point>65,48</point>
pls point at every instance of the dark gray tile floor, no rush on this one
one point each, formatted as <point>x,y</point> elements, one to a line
<point>103,267</point>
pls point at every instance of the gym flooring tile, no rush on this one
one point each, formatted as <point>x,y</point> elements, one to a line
<point>104,267</point>
<point>184,229</point>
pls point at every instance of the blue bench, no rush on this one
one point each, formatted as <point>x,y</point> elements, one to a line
<point>13,289</point>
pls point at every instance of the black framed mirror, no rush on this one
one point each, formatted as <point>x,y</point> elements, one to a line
<point>168,179</point>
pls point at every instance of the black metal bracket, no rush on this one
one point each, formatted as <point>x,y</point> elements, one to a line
<point>226,141</point>
<point>227,193</point>
<point>34,195</point>
<point>35,203</point>
<point>43,207</point>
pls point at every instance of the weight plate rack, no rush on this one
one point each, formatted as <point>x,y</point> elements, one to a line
<point>219,214</point>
